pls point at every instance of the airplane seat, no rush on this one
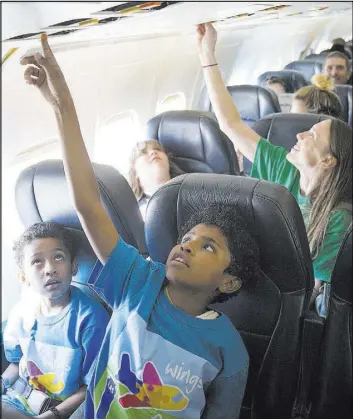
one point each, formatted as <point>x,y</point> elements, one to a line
<point>307,67</point>
<point>320,58</point>
<point>42,195</point>
<point>253,102</point>
<point>195,141</point>
<point>332,388</point>
<point>281,129</point>
<point>294,80</point>
<point>267,315</point>
<point>345,93</point>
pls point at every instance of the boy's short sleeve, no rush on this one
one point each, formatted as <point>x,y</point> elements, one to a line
<point>91,341</point>
<point>225,395</point>
<point>13,352</point>
<point>123,275</point>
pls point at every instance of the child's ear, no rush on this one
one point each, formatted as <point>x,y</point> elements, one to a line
<point>230,284</point>
<point>21,277</point>
<point>74,267</point>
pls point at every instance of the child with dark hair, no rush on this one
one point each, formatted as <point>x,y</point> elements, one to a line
<point>52,341</point>
<point>243,248</point>
<point>164,355</point>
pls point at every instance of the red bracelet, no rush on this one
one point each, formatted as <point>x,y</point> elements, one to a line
<point>209,65</point>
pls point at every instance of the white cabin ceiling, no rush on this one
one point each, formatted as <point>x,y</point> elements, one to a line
<point>23,18</point>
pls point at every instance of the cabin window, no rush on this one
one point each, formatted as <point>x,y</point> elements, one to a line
<point>115,139</point>
<point>174,102</point>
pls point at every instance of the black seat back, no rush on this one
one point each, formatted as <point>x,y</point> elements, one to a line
<point>345,93</point>
<point>281,129</point>
<point>42,195</point>
<point>195,141</point>
<point>333,389</point>
<point>252,102</point>
<point>294,80</point>
<point>268,315</point>
<point>307,67</point>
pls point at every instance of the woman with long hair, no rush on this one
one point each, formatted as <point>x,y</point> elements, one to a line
<point>317,171</point>
<point>150,168</point>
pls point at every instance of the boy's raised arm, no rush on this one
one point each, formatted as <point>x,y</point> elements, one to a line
<point>45,73</point>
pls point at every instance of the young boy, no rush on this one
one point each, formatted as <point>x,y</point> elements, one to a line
<point>51,342</point>
<point>164,355</point>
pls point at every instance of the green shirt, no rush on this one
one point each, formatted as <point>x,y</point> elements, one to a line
<point>271,164</point>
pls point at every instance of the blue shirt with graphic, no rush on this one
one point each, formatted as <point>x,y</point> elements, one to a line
<point>56,354</point>
<point>156,361</point>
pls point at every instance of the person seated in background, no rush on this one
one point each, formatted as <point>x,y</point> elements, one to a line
<point>317,170</point>
<point>339,44</point>
<point>150,168</point>
<point>336,67</point>
<point>51,342</point>
<point>276,84</point>
<point>338,41</point>
<point>317,98</point>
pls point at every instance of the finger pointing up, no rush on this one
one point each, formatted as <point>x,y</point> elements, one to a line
<point>47,52</point>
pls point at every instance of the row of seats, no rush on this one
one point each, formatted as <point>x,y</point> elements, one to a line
<point>306,67</point>
<point>321,57</point>
<point>270,316</point>
<point>253,102</point>
<point>310,65</point>
<point>293,79</point>
<point>256,102</point>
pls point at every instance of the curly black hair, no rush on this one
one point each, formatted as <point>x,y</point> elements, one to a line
<point>243,247</point>
<point>41,231</point>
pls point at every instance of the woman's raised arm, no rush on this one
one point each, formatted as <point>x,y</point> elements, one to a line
<point>244,138</point>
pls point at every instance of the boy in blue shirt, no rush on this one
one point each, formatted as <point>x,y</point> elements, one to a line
<point>51,342</point>
<point>164,355</point>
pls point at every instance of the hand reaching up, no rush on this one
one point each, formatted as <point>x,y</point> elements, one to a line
<point>45,73</point>
<point>206,43</point>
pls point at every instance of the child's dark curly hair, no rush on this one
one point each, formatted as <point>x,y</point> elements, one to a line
<point>243,247</point>
<point>41,231</point>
